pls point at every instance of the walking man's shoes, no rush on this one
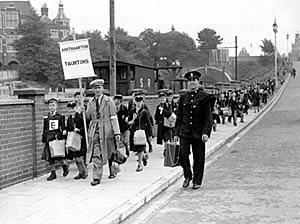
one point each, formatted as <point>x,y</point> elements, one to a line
<point>84,174</point>
<point>111,176</point>
<point>95,182</point>
<point>186,182</point>
<point>79,176</point>
<point>196,186</point>
<point>66,170</point>
<point>52,176</point>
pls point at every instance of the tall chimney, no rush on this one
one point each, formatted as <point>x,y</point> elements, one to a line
<point>44,10</point>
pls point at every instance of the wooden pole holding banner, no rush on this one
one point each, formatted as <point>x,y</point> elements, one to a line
<point>82,104</point>
<point>83,114</point>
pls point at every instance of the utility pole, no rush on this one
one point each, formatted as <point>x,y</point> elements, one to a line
<point>236,71</point>
<point>112,38</point>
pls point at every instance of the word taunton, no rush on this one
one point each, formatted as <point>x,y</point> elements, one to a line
<point>76,62</point>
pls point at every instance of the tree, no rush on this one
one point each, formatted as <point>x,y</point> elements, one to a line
<point>267,47</point>
<point>208,39</point>
<point>38,54</point>
<point>129,48</point>
<point>98,45</point>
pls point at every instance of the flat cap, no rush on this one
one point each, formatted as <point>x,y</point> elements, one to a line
<point>192,75</point>
<point>97,82</point>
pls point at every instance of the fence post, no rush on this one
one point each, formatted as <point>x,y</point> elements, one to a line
<point>38,96</point>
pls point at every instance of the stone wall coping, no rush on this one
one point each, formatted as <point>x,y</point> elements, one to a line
<point>29,91</point>
<point>15,101</point>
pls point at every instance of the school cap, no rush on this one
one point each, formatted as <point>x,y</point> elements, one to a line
<point>133,91</point>
<point>53,100</point>
<point>138,96</point>
<point>118,97</point>
<point>169,92</point>
<point>71,105</point>
<point>162,94</point>
<point>97,82</point>
<point>192,75</point>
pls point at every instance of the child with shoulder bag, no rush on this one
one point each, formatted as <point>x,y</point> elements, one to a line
<point>53,137</point>
<point>140,129</point>
<point>76,144</point>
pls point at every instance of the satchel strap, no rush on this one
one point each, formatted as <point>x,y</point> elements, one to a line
<point>140,117</point>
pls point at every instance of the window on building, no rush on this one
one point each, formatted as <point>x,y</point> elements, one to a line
<point>11,19</point>
<point>65,33</point>
<point>9,40</point>
<point>54,33</point>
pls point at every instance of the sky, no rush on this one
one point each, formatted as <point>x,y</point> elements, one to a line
<point>250,20</point>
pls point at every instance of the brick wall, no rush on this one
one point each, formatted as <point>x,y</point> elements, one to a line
<point>15,141</point>
<point>21,124</point>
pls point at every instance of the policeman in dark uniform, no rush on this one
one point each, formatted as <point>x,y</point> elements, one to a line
<point>193,127</point>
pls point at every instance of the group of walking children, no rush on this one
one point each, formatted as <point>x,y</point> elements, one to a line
<point>55,132</point>
<point>108,122</point>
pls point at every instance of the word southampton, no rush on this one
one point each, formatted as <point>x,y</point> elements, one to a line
<point>75,48</point>
<point>77,62</point>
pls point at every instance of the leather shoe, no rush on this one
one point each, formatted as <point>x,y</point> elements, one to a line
<point>79,176</point>
<point>111,176</point>
<point>196,186</point>
<point>52,176</point>
<point>139,168</point>
<point>66,170</point>
<point>145,160</point>
<point>186,182</point>
<point>95,182</point>
<point>84,174</point>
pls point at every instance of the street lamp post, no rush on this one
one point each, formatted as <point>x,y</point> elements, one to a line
<point>287,47</point>
<point>275,29</point>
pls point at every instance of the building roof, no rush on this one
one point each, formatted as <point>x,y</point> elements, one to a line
<point>24,6</point>
<point>61,14</point>
<point>45,19</point>
<point>212,74</point>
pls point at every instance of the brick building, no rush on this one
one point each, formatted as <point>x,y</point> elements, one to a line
<point>14,13</point>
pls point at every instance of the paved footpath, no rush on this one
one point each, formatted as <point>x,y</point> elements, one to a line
<point>66,200</point>
<point>252,180</point>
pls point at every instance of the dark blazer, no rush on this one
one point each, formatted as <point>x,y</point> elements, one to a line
<point>159,119</point>
<point>194,115</point>
<point>122,116</point>
<point>50,135</point>
<point>142,121</point>
<point>77,122</point>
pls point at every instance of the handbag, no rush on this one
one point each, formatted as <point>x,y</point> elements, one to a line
<point>172,154</point>
<point>57,148</point>
<point>118,157</point>
<point>73,141</point>
<point>139,137</point>
<point>170,122</point>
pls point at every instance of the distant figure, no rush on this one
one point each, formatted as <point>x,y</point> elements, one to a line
<point>294,73</point>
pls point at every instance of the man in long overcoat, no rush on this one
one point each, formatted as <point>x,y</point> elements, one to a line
<point>193,127</point>
<point>103,130</point>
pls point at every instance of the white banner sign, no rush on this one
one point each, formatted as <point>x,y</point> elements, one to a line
<point>76,59</point>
